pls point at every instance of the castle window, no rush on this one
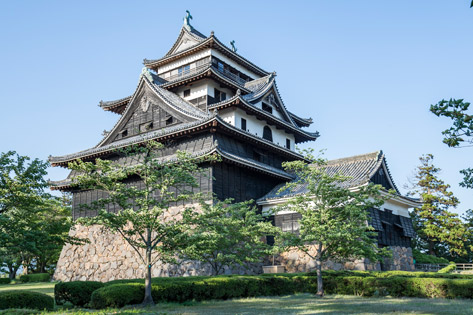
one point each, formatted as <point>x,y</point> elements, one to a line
<point>267,108</point>
<point>184,70</point>
<point>267,133</point>
<point>187,93</point>
<point>219,95</point>
<point>288,143</point>
<point>243,124</point>
<point>169,121</point>
<point>146,126</point>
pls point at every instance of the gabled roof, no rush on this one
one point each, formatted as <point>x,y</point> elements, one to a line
<point>209,42</point>
<point>184,110</point>
<point>261,90</point>
<point>187,33</point>
<point>360,169</point>
<point>238,100</point>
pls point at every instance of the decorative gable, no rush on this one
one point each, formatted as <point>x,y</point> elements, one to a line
<point>148,110</point>
<point>383,178</point>
<point>271,104</point>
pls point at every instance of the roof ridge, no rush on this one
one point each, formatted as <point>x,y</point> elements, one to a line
<point>356,158</point>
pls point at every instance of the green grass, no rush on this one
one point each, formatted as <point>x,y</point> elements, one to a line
<point>42,287</point>
<point>295,304</point>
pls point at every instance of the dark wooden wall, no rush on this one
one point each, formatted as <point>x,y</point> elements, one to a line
<point>241,184</point>
<point>248,151</point>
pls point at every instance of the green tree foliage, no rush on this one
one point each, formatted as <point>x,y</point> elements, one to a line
<point>144,188</point>
<point>334,223</point>
<point>227,234</point>
<point>33,224</point>
<point>439,231</point>
<point>460,134</point>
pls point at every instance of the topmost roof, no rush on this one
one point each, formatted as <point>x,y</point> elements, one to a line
<point>191,40</point>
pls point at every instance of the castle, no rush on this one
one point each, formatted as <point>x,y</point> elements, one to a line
<point>205,98</point>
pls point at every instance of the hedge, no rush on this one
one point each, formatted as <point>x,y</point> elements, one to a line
<point>118,293</point>
<point>25,299</point>
<point>212,288</point>
<point>5,280</point>
<point>35,277</point>
<point>78,293</point>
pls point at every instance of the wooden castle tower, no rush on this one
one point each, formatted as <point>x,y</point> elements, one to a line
<point>204,98</point>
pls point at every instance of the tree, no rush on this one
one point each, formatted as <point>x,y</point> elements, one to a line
<point>461,132</point>
<point>22,194</point>
<point>334,218</point>
<point>33,224</point>
<point>228,234</point>
<point>437,228</point>
<point>143,218</point>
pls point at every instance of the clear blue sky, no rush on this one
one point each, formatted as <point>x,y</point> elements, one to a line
<point>365,71</point>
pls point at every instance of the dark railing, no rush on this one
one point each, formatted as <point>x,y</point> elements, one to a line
<point>192,71</point>
<point>437,267</point>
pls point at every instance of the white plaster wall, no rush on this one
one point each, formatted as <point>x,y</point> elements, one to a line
<point>256,126</point>
<point>198,89</point>
<point>397,207</point>
<point>234,64</point>
<point>212,85</point>
<point>183,61</point>
<point>276,112</point>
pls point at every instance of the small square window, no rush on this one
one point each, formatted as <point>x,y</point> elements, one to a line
<point>267,108</point>
<point>187,93</point>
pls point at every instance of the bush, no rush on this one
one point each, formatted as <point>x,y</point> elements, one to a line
<point>118,295</point>
<point>449,269</point>
<point>78,293</point>
<point>5,280</point>
<point>35,277</point>
<point>421,258</point>
<point>25,299</point>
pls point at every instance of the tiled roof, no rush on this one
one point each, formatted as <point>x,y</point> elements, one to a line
<point>128,141</point>
<point>108,104</point>
<point>359,169</point>
<point>294,128</point>
<point>187,29</point>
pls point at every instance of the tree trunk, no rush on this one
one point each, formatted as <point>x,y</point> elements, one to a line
<point>148,300</point>
<point>431,248</point>
<point>318,266</point>
<point>12,269</point>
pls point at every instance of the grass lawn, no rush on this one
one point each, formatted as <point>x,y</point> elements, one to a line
<point>296,304</point>
<point>42,287</point>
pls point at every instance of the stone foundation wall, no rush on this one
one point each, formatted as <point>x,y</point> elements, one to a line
<point>297,261</point>
<point>109,257</point>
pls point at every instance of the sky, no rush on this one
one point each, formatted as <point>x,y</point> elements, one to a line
<point>365,71</point>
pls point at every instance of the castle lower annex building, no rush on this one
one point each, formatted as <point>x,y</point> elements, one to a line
<point>205,98</point>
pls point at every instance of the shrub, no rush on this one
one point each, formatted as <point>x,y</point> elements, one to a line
<point>450,268</point>
<point>5,280</point>
<point>76,292</point>
<point>35,277</point>
<point>25,299</point>
<point>421,258</point>
<point>118,295</point>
